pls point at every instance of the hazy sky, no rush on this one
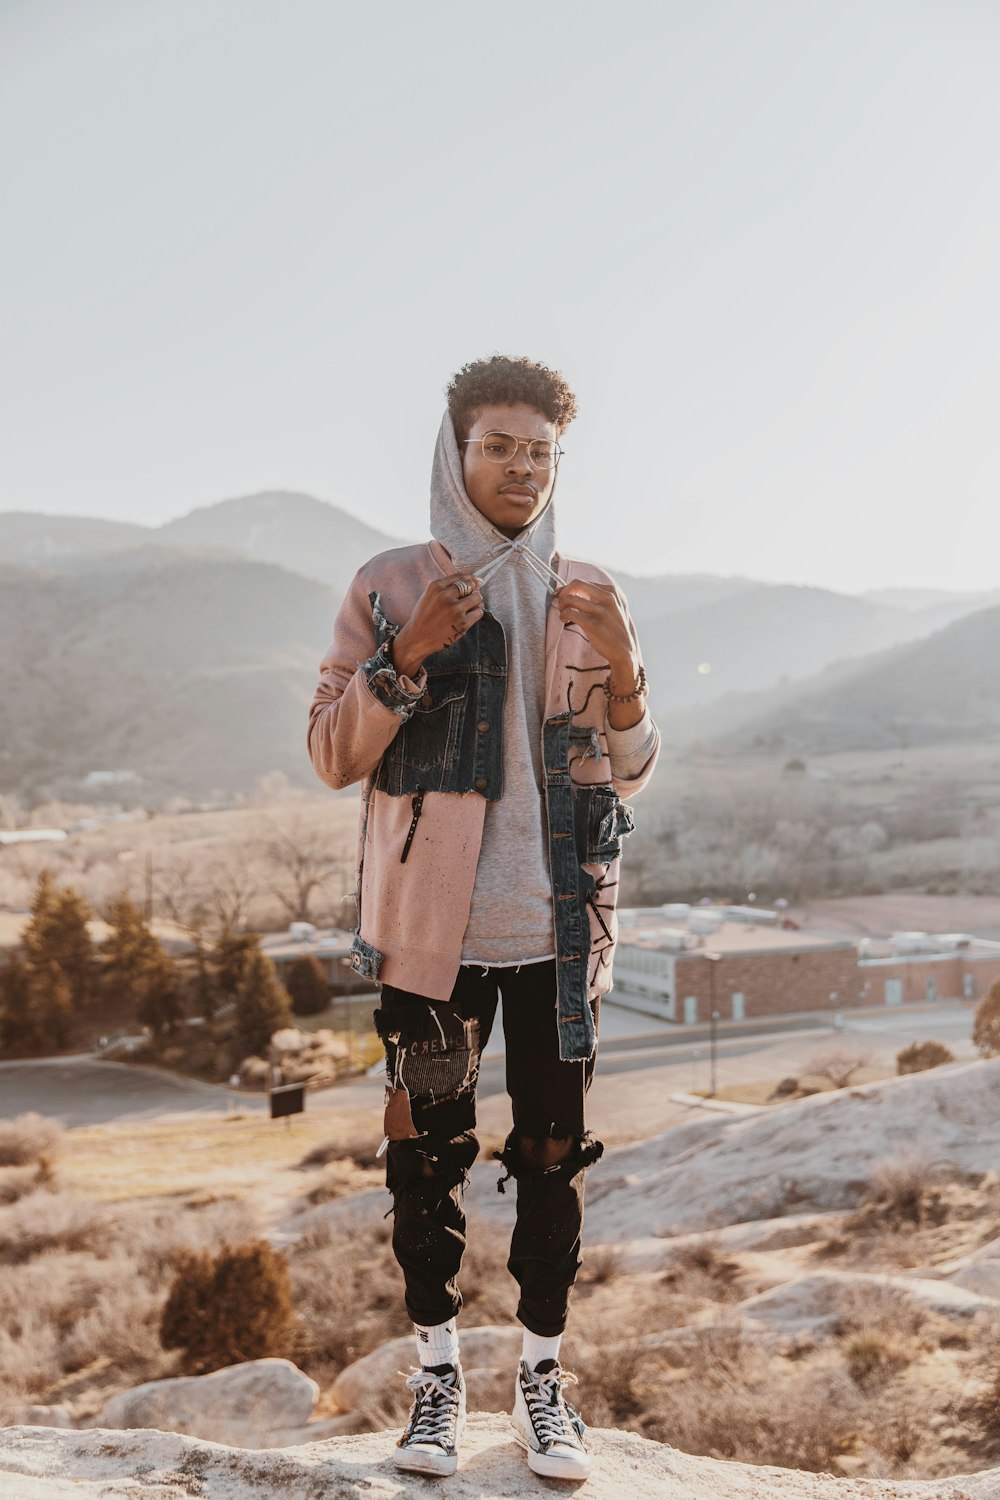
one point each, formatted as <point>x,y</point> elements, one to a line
<point>247,241</point>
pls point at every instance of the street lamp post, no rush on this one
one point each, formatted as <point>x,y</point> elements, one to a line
<point>713,959</point>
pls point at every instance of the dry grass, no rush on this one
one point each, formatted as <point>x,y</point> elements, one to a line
<point>347,1290</point>
<point>204,1152</point>
<point>357,1146</point>
<point>600,1266</point>
<point>82,1287</point>
<point>702,1269</point>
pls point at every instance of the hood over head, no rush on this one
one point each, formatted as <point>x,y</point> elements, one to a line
<point>471,540</point>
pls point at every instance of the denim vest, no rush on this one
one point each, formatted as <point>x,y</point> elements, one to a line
<point>451,740</point>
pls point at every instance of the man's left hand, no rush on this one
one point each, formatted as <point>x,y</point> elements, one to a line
<point>599,610</point>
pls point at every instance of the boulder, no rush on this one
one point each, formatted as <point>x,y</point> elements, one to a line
<point>244,1405</point>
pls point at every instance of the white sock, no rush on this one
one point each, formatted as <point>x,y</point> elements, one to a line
<point>535,1348</point>
<point>437,1343</point>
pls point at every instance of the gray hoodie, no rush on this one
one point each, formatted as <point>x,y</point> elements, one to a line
<point>510,921</point>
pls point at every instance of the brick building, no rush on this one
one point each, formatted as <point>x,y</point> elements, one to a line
<point>680,963</point>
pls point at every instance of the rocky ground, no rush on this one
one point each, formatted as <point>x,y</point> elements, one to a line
<point>814,1285</point>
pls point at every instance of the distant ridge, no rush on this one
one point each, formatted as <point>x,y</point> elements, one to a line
<point>944,689</point>
<point>189,652</point>
<point>308,536</point>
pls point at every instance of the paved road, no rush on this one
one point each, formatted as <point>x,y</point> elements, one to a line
<point>84,1091</point>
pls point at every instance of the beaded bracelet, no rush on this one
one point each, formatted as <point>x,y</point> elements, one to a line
<point>641,689</point>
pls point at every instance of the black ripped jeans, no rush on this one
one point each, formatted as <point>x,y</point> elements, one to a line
<point>432,1063</point>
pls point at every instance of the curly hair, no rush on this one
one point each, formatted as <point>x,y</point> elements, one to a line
<point>504,381</point>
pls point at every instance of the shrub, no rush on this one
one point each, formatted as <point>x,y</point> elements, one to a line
<point>234,1307</point>
<point>873,1355</point>
<point>307,986</point>
<point>357,1146</point>
<point>919,1056</point>
<point>900,1191</point>
<point>28,1138</point>
<point>837,1064</point>
<point>986,1024</point>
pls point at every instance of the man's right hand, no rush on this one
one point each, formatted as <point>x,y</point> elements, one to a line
<point>443,613</point>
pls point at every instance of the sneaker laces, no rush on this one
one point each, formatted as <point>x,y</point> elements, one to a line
<point>552,1417</point>
<point>435,1407</point>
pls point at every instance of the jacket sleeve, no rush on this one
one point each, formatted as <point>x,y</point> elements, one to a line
<point>633,752</point>
<point>361,701</point>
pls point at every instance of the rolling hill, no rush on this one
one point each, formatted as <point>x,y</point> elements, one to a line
<point>188,652</point>
<point>944,689</point>
<point>195,673</point>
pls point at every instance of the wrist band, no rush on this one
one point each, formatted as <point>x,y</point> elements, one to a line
<point>641,689</point>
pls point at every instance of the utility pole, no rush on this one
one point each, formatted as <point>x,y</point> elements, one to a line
<point>149,886</point>
<point>713,959</point>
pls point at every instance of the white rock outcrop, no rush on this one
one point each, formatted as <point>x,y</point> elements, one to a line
<point>38,1463</point>
<point>811,1302</point>
<point>261,1404</point>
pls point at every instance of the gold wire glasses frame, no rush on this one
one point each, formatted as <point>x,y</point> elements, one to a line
<point>541,453</point>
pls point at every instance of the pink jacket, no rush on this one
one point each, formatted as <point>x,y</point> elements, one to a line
<point>413,914</point>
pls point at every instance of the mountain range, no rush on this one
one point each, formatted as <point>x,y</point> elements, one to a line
<point>188,652</point>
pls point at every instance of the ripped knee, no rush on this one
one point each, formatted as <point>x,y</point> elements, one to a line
<point>528,1156</point>
<point>537,1155</point>
<point>427,1163</point>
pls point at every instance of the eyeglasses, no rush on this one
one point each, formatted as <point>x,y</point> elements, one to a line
<point>501,447</point>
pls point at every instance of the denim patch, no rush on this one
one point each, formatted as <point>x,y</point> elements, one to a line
<point>451,740</point>
<point>381,674</point>
<point>602,821</point>
<point>365,959</point>
<point>430,1052</point>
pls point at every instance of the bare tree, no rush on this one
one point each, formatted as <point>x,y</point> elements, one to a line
<point>203,897</point>
<point>231,885</point>
<point>303,859</point>
<point>181,896</point>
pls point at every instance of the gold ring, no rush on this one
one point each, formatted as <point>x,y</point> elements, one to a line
<point>465,588</point>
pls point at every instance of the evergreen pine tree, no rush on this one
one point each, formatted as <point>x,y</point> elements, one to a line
<point>52,1004</point>
<point>128,955</point>
<point>36,1006</point>
<point>262,1005</point>
<point>17,1020</point>
<point>229,960</point>
<point>57,932</point>
<point>161,1002</point>
<point>308,986</point>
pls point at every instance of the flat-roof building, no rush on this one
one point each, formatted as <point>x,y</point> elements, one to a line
<point>682,962</point>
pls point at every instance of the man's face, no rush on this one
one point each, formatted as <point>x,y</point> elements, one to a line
<point>509,494</point>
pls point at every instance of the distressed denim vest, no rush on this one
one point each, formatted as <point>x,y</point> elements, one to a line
<point>452,741</point>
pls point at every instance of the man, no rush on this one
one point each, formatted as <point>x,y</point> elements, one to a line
<point>491,697</point>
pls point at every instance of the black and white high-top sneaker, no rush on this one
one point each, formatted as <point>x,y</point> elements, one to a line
<point>433,1431</point>
<point>546,1425</point>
